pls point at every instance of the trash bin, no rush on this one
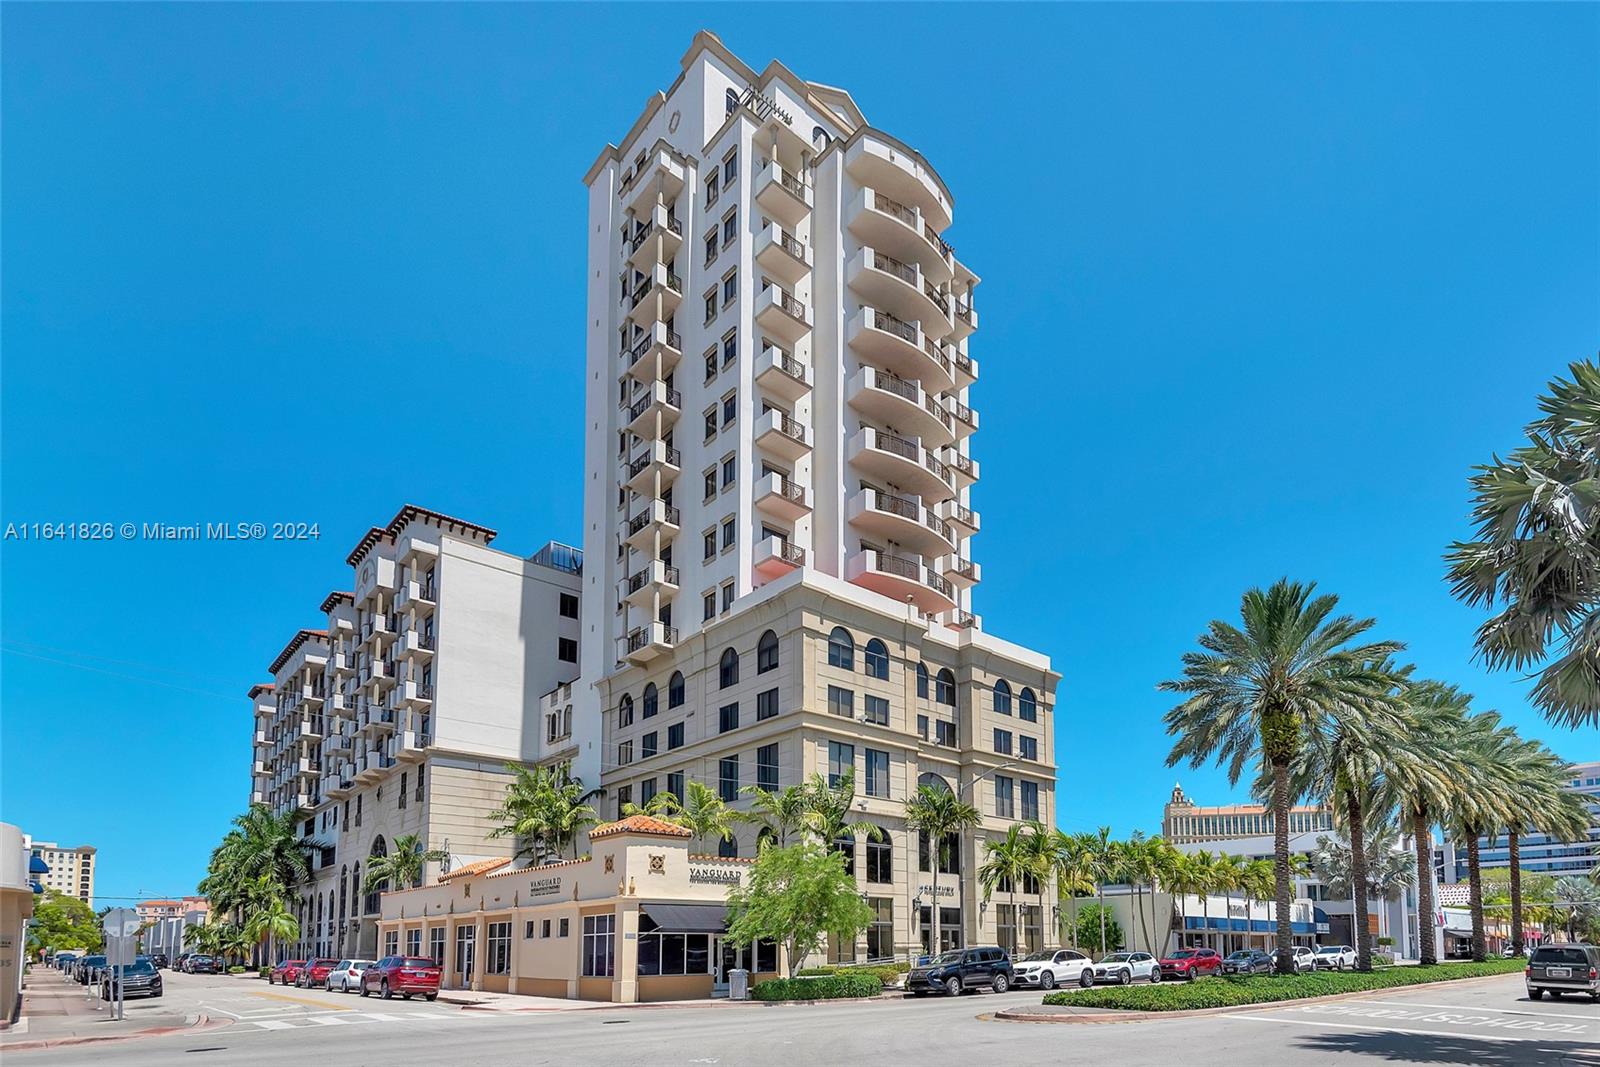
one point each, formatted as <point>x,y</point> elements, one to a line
<point>738,984</point>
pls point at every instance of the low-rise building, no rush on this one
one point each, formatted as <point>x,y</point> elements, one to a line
<point>1183,821</point>
<point>19,877</point>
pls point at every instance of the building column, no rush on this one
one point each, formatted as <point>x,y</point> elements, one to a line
<point>480,935</point>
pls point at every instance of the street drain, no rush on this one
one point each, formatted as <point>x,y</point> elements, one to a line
<point>614,1022</point>
<point>213,1048</point>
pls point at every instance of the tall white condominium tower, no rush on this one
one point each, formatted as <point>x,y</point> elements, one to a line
<point>399,715</point>
<point>778,577</point>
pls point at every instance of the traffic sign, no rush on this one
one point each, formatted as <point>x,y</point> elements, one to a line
<point>121,922</point>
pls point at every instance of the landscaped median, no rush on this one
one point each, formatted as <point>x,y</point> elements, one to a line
<point>821,987</point>
<point>1232,992</point>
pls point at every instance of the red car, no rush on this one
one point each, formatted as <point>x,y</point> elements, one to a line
<point>402,974</point>
<point>285,972</point>
<point>314,975</point>
<point>1191,963</point>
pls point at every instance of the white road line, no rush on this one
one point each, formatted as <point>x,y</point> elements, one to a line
<point>330,1020</point>
<point>271,1024</point>
<point>1360,1026</point>
<point>1474,1007</point>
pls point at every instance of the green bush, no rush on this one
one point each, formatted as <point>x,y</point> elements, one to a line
<point>236,969</point>
<point>266,972</point>
<point>887,974</point>
<point>823,987</point>
<point>1227,992</point>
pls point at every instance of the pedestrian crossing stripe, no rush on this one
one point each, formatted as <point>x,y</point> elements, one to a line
<point>356,1018</point>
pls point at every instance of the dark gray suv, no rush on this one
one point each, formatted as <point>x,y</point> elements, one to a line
<point>1569,968</point>
<point>961,969</point>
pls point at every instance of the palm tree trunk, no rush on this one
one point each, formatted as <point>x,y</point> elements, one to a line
<point>1280,862</point>
<point>1100,890</point>
<point>933,936</point>
<point>1358,880</point>
<point>1480,949</point>
<point>1072,903</point>
<point>1422,843</point>
<point>1516,892</point>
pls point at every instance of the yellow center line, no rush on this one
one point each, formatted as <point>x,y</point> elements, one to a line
<point>324,1005</point>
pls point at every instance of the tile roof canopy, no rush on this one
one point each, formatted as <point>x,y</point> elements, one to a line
<point>260,687</point>
<point>406,513</point>
<point>476,868</point>
<point>508,871</point>
<point>640,824</point>
<point>294,643</point>
<point>336,598</point>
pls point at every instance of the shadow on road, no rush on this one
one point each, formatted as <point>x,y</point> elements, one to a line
<point>1448,1048</point>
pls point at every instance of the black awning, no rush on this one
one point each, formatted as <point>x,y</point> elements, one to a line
<point>1465,935</point>
<point>688,918</point>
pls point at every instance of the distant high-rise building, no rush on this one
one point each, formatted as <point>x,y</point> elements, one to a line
<point>1537,852</point>
<point>71,869</point>
<point>1182,822</point>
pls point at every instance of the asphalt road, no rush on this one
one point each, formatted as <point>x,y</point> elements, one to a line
<point>1491,1024</point>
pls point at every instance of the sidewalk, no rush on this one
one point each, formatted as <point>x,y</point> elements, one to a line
<point>56,1012</point>
<point>482,1000</point>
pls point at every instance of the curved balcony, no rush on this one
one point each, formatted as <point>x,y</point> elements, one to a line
<point>899,288</point>
<point>782,498</point>
<point>901,578</point>
<point>964,419</point>
<point>884,222</point>
<point>657,461</point>
<point>781,375</point>
<point>662,172</point>
<point>649,641</point>
<point>966,368</point>
<point>781,194</point>
<point>655,353</point>
<point>959,572</point>
<point>965,468</point>
<point>780,253</point>
<point>782,315</point>
<point>656,297</point>
<point>656,239</point>
<point>656,578</point>
<point>901,461</point>
<point>656,517</point>
<point>656,401</point>
<point>964,319</point>
<point>883,163</point>
<point>899,346</point>
<point>775,557</point>
<point>782,435</point>
<point>900,403</point>
<point>901,519</point>
<point>962,519</point>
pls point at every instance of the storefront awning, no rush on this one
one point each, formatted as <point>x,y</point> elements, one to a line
<point>689,918</point>
<point>1465,935</point>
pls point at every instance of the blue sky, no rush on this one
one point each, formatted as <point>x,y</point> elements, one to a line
<point>1260,285</point>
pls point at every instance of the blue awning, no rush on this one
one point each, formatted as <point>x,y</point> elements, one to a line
<point>37,866</point>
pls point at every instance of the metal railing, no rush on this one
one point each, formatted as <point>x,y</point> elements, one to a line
<point>673,399</point>
<point>789,553</point>
<point>933,408</point>
<point>938,526</point>
<point>904,506</point>
<point>787,363</point>
<point>940,301</point>
<point>893,207</point>
<point>791,244</point>
<point>901,566</point>
<point>900,446</point>
<point>645,517</point>
<point>962,412</point>
<point>646,635</point>
<point>888,323</point>
<point>889,265</point>
<point>963,514</point>
<point>673,458</point>
<point>788,304</point>
<point>937,467</point>
<point>893,383</point>
<point>789,426</point>
<point>939,585</point>
<point>790,490</point>
<point>935,352</point>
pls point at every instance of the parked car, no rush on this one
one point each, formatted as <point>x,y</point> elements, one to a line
<point>961,969</point>
<point>200,963</point>
<point>346,977</point>
<point>405,975</point>
<point>1248,961</point>
<point>1191,963</point>
<point>63,961</point>
<point>1123,967</point>
<point>158,960</point>
<point>87,968</point>
<point>315,972</point>
<point>179,961</point>
<point>1304,959</point>
<point>286,972</point>
<point>1051,968</point>
<point>1564,968</point>
<point>139,979</point>
<point>1335,958</point>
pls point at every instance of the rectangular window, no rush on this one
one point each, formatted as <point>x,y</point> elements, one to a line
<point>675,784</point>
<point>712,188</point>
<point>647,745</point>
<point>711,247</point>
<point>566,650</point>
<point>708,607</point>
<point>728,778</point>
<point>544,928</point>
<point>1030,800</point>
<point>728,718</point>
<point>674,736</point>
<point>1027,747</point>
<point>922,727</point>
<point>1004,802</point>
<point>727,596</point>
<point>730,409</point>
<point>711,422</point>
<point>598,954</point>
<point>767,767</point>
<point>710,483</point>
<point>730,168</point>
<point>436,945</point>
<point>880,860</point>
<point>730,347</point>
<point>563,927</point>
<point>413,942</point>
<point>877,709</point>
<point>569,606</point>
<point>730,470</point>
<point>624,798</point>
<point>730,532</point>
<point>841,761</point>
<point>730,288</point>
<point>624,753</point>
<point>880,932</point>
<point>945,733</point>
<point>730,227</point>
<point>766,704</point>
<point>647,791</point>
<point>1002,742</point>
<point>403,790</point>
<point>466,939</point>
<point>711,305</point>
<point>877,773</point>
<point>498,960</point>
<point>391,943</point>
<point>841,702</point>
<point>708,543</point>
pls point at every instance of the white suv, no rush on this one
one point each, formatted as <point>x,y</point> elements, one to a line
<point>1304,959</point>
<point>1335,958</point>
<point>1049,969</point>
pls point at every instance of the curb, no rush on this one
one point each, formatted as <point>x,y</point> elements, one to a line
<point>201,1022</point>
<point>667,1005</point>
<point>1007,1015</point>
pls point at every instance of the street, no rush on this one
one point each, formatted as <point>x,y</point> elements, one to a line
<point>1488,1023</point>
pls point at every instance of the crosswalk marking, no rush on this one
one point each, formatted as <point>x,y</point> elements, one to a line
<point>359,1018</point>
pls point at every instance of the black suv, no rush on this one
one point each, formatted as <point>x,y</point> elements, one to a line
<point>1564,968</point>
<point>961,969</point>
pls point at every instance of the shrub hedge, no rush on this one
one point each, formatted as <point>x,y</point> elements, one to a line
<point>1226,992</point>
<point>887,973</point>
<point>822,987</point>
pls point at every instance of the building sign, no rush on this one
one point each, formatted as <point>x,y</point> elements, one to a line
<point>944,891</point>
<point>714,875</point>
<point>544,887</point>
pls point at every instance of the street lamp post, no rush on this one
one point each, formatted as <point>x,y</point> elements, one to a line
<point>961,874</point>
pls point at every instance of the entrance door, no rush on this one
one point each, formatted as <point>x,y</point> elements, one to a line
<point>725,956</point>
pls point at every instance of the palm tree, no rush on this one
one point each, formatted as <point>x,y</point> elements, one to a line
<point>1225,873</point>
<point>936,814</point>
<point>1007,861</point>
<point>1105,866</point>
<point>403,865</point>
<point>704,813</point>
<point>1484,802</point>
<point>1255,692</point>
<point>1258,880</point>
<point>235,942</point>
<point>1534,554</point>
<point>1579,899</point>
<point>1041,856</point>
<point>829,810</point>
<point>1190,875</point>
<point>782,813</point>
<point>1142,864</point>
<point>274,924</point>
<point>1387,871</point>
<point>544,807</point>
<point>1538,799</point>
<point>1072,869</point>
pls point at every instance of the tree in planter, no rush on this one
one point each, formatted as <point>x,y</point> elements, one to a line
<point>795,896</point>
<point>62,922</point>
<point>1097,921</point>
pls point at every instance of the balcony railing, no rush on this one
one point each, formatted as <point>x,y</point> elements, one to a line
<point>964,567</point>
<point>888,323</point>
<point>638,581</point>
<point>937,525</point>
<point>888,264</point>
<point>787,363</point>
<point>790,553</point>
<point>895,208</point>
<point>939,584</point>
<point>674,459</point>
<point>643,636</point>
<point>932,407</point>
<point>640,406</point>
<point>963,361</point>
<point>791,244</point>
<point>962,464</point>
<point>904,506</point>
<point>936,466</point>
<point>673,340</point>
<point>639,521</point>
<point>790,427</point>
<point>790,490</point>
<point>964,312</point>
<point>788,304</point>
<point>899,565</point>
<point>962,412</point>
<point>940,301</point>
<point>900,446</point>
<point>962,514</point>
<point>936,352</point>
<point>893,383</point>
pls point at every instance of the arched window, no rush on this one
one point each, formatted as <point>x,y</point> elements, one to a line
<point>841,649</point>
<point>922,680</point>
<point>732,98</point>
<point>729,849</point>
<point>675,690</point>
<point>344,881</point>
<point>355,885</point>
<point>767,653</point>
<point>1002,697</point>
<point>933,782</point>
<point>1027,706</point>
<point>652,702</point>
<point>625,711</point>
<point>877,659</point>
<point>944,689</point>
<point>819,136</point>
<point>728,671</point>
<point>379,848</point>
